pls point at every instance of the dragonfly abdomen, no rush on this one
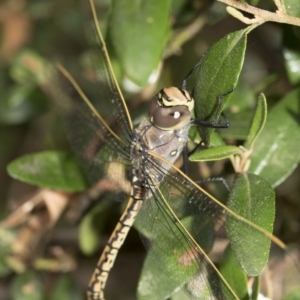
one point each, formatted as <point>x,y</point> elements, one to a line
<point>98,281</point>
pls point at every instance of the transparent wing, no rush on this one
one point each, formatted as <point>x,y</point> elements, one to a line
<point>108,100</point>
<point>183,226</point>
<point>98,124</point>
<point>92,139</point>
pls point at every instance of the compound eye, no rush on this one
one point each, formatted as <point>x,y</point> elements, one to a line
<point>152,107</point>
<point>170,118</point>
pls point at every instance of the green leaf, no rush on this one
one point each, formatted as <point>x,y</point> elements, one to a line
<point>218,74</point>
<point>253,199</point>
<point>91,226</point>
<point>135,24</point>
<point>27,286</point>
<point>216,140</point>
<point>292,64</point>
<point>255,288</point>
<point>276,152</point>
<point>19,104</point>
<point>180,295</point>
<point>215,153</point>
<point>153,283</point>
<point>49,169</point>
<point>292,7</point>
<point>177,6</point>
<point>27,67</point>
<point>258,121</point>
<point>239,125</point>
<point>242,99</point>
<point>293,296</point>
<point>7,237</point>
<point>233,274</point>
<point>291,53</point>
<point>253,2</point>
<point>66,289</point>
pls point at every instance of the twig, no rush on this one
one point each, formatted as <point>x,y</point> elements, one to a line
<point>260,15</point>
<point>281,8</point>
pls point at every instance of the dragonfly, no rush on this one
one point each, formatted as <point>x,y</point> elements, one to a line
<point>179,220</point>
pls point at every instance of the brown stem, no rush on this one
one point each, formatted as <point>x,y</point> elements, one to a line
<point>261,15</point>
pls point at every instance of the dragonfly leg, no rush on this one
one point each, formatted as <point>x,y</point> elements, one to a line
<point>186,155</point>
<point>215,179</point>
<point>98,281</point>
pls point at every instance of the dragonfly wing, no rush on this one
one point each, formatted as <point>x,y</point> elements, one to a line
<point>109,99</point>
<point>96,117</point>
<point>90,136</point>
<point>183,227</point>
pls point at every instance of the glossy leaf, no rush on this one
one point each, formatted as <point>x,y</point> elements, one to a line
<point>19,104</point>
<point>66,289</point>
<point>49,169</point>
<point>258,122</point>
<point>27,286</point>
<point>253,2</point>
<point>276,152</point>
<point>292,296</point>
<point>243,98</point>
<point>7,236</point>
<point>215,153</point>
<point>216,140</point>
<point>217,75</point>
<point>239,125</point>
<point>91,227</point>
<point>292,64</point>
<point>51,38</point>
<point>134,24</point>
<point>233,274</point>
<point>180,295</point>
<point>27,67</point>
<point>153,283</point>
<point>292,7</point>
<point>252,198</point>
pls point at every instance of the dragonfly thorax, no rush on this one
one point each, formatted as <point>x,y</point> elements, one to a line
<point>171,108</point>
<point>168,144</point>
<point>165,132</point>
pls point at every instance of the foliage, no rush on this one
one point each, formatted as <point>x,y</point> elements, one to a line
<point>151,45</point>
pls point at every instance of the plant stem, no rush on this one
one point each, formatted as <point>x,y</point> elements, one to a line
<point>260,15</point>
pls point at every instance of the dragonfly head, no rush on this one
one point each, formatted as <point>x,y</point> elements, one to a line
<point>171,108</point>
